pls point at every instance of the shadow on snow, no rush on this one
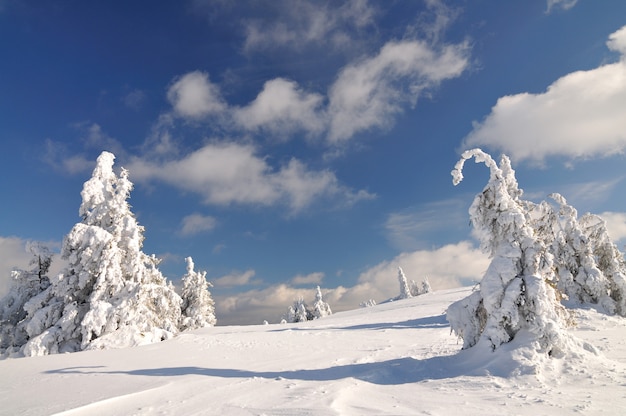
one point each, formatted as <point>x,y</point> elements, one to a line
<point>432,322</point>
<point>391,372</point>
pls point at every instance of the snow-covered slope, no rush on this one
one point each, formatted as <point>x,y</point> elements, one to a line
<point>397,358</point>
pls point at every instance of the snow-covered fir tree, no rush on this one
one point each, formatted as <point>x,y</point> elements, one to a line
<point>299,312</point>
<point>578,275</point>
<point>111,294</point>
<point>320,308</point>
<point>609,259</point>
<point>405,289</point>
<point>367,303</point>
<point>25,285</point>
<point>198,309</point>
<point>514,293</point>
<point>420,288</point>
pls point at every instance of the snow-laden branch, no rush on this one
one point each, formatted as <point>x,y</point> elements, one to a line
<point>479,157</point>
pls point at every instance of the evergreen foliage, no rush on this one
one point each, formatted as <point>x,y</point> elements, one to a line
<point>198,308</point>
<point>405,289</point>
<point>299,312</point>
<point>514,293</point>
<point>111,294</point>
<point>320,308</point>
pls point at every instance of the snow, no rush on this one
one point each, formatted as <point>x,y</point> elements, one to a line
<point>397,358</point>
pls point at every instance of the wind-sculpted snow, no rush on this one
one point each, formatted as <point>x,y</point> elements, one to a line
<point>397,358</point>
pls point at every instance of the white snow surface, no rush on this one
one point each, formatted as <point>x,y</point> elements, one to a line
<point>397,358</point>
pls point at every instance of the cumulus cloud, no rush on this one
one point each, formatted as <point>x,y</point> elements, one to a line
<point>615,224</point>
<point>579,115</point>
<point>617,41</point>
<point>309,279</point>
<point>227,173</point>
<point>197,223</point>
<point>367,94</point>
<point>193,95</point>
<point>446,267</point>
<point>236,279</point>
<point>282,108</point>
<point>371,92</point>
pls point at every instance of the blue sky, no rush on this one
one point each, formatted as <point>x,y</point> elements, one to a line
<point>286,144</point>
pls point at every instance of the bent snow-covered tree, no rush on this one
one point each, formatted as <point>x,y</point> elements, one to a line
<point>111,294</point>
<point>198,308</point>
<point>514,294</point>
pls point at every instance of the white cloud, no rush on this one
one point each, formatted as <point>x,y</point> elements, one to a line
<point>197,223</point>
<point>617,41</point>
<point>309,279</point>
<point>449,266</point>
<point>435,20</point>
<point>590,192</point>
<point>59,157</point>
<point>194,96</point>
<point>236,279</point>
<point>226,173</point>
<point>371,92</point>
<point>282,108</point>
<point>298,24</point>
<point>615,224</point>
<point>368,93</point>
<point>134,99</point>
<point>563,4</point>
<point>254,306</point>
<point>579,115</point>
<point>96,138</point>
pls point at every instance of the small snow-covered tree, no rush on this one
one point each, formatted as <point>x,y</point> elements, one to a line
<point>26,284</point>
<point>418,289</point>
<point>299,312</point>
<point>578,275</point>
<point>609,259</point>
<point>198,309</point>
<point>367,303</point>
<point>514,293</point>
<point>111,294</point>
<point>320,308</point>
<point>405,289</point>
